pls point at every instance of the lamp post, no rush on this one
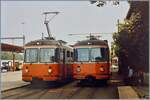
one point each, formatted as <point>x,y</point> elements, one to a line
<point>118,25</point>
<point>23,33</point>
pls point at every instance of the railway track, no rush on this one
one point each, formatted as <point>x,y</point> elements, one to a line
<point>66,91</point>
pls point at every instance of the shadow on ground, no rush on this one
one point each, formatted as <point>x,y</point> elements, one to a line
<point>86,83</point>
<point>48,85</point>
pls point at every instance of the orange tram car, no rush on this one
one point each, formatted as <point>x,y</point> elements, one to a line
<point>47,60</point>
<point>91,60</point>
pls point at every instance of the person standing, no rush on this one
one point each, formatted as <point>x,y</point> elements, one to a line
<point>130,75</point>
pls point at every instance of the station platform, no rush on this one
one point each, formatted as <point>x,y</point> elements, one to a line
<point>142,91</point>
<point>127,92</point>
<point>11,80</point>
<point>130,91</point>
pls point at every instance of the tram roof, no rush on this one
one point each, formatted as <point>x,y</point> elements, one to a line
<point>91,42</point>
<point>43,42</point>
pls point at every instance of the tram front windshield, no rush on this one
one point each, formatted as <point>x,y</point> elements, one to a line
<point>47,55</point>
<point>82,54</point>
<point>42,55</point>
<point>91,54</point>
<point>31,55</point>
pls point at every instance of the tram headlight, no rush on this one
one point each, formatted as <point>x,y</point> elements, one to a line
<point>49,70</point>
<point>78,69</point>
<point>26,70</point>
<point>101,69</point>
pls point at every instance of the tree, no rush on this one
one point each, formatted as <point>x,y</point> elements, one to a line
<point>132,39</point>
<point>101,3</point>
<point>9,56</point>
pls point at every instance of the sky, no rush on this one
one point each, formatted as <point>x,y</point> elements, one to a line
<point>75,17</point>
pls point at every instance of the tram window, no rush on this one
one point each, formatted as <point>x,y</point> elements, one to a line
<point>96,54</point>
<point>68,53</point>
<point>64,55</point>
<point>57,54</point>
<point>71,54</point>
<point>106,53</point>
<point>75,54</point>
<point>82,54</point>
<point>47,55</point>
<point>31,55</point>
<point>61,54</point>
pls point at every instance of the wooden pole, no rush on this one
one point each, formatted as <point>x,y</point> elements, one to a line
<point>13,67</point>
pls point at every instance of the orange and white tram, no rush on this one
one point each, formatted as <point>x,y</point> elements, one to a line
<point>47,60</point>
<point>91,60</point>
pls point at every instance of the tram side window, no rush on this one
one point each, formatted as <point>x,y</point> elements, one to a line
<point>61,55</point>
<point>75,53</point>
<point>31,55</point>
<point>64,55</point>
<point>57,54</point>
<point>105,53</point>
<point>68,53</point>
<point>72,54</point>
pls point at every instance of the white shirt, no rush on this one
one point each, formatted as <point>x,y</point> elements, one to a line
<point>130,72</point>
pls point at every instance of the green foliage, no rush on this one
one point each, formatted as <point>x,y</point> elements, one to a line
<point>6,55</point>
<point>9,56</point>
<point>101,3</point>
<point>114,49</point>
<point>19,56</point>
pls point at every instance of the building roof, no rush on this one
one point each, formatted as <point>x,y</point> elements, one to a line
<point>10,47</point>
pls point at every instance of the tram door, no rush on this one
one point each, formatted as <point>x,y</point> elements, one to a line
<point>64,64</point>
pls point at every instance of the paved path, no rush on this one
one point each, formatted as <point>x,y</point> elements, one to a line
<point>10,80</point>
<point>67,91</point>
<point>127,92</point>
<point>115,89</point>
<point>142,91</point>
